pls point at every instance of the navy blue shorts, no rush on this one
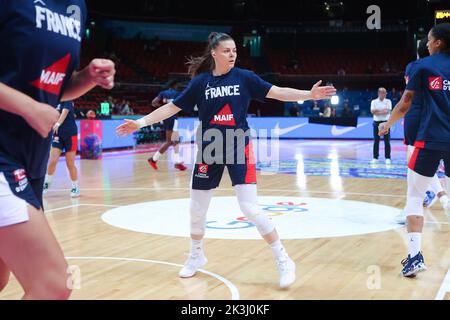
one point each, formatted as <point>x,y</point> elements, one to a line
<point>15,177</point>
<point>411,127</point>
<point>208,176</point>
<point>426,162</point>
<point>67,143</point>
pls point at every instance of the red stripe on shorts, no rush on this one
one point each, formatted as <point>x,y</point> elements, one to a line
<point>250,176</point>
<point>74,147</point>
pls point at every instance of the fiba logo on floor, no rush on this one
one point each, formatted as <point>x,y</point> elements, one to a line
<point>272,210</point>
<point>294,217</point>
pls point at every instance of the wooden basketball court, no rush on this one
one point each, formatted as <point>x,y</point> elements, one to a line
<point>115,263</point>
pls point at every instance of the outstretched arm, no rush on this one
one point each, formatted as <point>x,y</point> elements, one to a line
<point>399,112</point>
<point>162,113</point>
<point>290,94</point>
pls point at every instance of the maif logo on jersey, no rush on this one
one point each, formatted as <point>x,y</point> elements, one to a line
<point>224,117</point>
<point>52,77</point>
<point>435,83</point>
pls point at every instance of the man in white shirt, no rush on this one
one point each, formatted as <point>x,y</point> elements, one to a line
<point>381,109</point>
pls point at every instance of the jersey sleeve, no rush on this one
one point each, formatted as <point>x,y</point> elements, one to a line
<point>258,87</point>
<point>187,99</point>
<point>67,105</point>
<point>415,78</point>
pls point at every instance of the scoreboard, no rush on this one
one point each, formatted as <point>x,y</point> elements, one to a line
<point>441,16</point>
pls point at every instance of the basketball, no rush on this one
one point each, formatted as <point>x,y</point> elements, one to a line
<point>91,115</point>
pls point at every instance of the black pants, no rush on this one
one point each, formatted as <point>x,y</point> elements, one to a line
<point>376,144</point>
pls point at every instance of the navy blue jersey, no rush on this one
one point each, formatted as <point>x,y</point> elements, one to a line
<point>40,48</point>
<point>416,105</point>
<point>68,127</point>
<point>223,101</point>
<point>431,75</point>
<point>167,96</point>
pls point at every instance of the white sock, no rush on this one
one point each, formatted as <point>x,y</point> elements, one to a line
<point>156,156</point>
<point>75,184</point>
<point>444,202</point>
<point>414,243</point>
<point>435,185</point>
<point>278,249</point>
<point>196,246</point>
<point>176,158</point>
<point>48,178</point>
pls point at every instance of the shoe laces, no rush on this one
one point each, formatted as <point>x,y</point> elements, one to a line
<point>282,264</point>
<point>404,261</point>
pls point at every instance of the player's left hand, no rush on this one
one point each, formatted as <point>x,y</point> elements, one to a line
<point>325,92</point>
<point>102,72</point>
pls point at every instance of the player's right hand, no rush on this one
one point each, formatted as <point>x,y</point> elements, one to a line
<point>42,117</point>
<point>383,129</point>
<point>127,128</point>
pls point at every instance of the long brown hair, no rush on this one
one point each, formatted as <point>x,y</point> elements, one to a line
<point>197,65</point>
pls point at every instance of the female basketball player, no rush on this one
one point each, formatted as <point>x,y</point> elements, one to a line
<point>411,126</point>
<point>37,70</point>
<point>429,76</point>
<point>222,94</point>
<point>170,127</point>
<point>65,138</point>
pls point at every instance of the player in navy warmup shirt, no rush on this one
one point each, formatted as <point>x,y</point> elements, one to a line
<point>429,77</point>
<point>222,94</point>
<point>65,138</point>
<point>40,52</point>
<point>170,127</point>
<point>411,127</point>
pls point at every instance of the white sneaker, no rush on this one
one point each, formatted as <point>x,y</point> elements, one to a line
<point>401,218</point>
<point>374,161</point>
<point>192,264</point>
<point>75,192</point>
<point>286,269</point>
<point>388,161</point>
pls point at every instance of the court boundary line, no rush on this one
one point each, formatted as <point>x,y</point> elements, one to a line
<point>231,287</point>
<point>445,287</point>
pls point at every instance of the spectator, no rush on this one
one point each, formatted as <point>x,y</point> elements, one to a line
<point>326,111</point>
<point>346,112</point>
<point>341,72</point>
<point>315,106</point>
<point>369,69</point>
<point>126,110</point>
